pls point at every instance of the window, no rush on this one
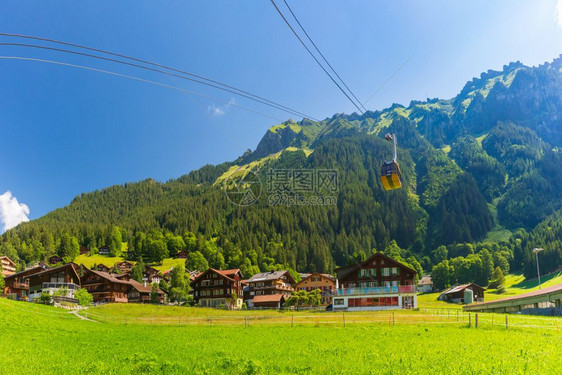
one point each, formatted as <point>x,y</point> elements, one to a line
<point>338,302</point>
<point>386,271</point>
<point>395,271</point>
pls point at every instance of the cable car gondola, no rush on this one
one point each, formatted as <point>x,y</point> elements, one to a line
<point>390,171</point>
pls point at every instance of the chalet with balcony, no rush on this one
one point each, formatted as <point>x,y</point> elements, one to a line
<point>105,288</point>
<point>64,278</point>
<point>182,254</point>
<point>8,266</point>
<point>379,283</point>
<point>324,282</point>
<point>17,284</point>
<point>213,288</point>
<point>140,293</point>
<point>266,284</point>
<point>125,266</point>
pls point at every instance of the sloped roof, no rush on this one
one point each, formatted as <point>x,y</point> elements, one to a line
<point>109,277</point>
<point>268,298</point>
<point>3,257</point>
<point>28,271</point>
<point>460,288</point>
<point>141,288</point>
<point>426,280</point>
<point>228,274</point>
<point>267,276</point>
<point>73,267</point>
<point>535,293</point>
<point>346,270</point>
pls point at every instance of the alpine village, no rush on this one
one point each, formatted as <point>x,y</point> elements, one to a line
<point>281,187</point>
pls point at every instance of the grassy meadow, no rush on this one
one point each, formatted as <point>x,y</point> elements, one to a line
<point>44,340</point>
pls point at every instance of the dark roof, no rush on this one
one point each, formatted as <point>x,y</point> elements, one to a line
<point>227,274</point>
<point>460,288</point>
<point>346,270</point>
<point>38,269</point>
<point>141,288</point>
<point>272,275</point>
<point>109,277</point>
<point>268,298</point>
<point>73,267</point>
<point>8,259</point>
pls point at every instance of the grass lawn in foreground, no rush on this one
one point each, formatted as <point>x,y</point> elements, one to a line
<point>42,342</point>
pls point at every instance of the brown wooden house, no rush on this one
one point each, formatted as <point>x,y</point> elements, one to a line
<point>182,254</point>
<point>49,281</point>
<point>142,294</point>
<point>8,266</point>
<point>378,283</point>
<point>104,287</point>
<point>268,283</point>
<point>84,250</point>
<point>213,288</point>
<point>125,266</point>
<point>17,284</point>
<point>102,268</point>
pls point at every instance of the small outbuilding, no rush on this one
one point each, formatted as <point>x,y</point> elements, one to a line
<point>425,285</point>
<point>456,293</point>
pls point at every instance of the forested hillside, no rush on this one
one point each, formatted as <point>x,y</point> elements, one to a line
<point>486,160</point>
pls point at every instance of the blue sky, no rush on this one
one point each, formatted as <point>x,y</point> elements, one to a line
<point>66,131</point>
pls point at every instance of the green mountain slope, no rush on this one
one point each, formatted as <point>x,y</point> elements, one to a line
<point>502,135</point>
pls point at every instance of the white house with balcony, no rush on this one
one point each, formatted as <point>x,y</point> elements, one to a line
<point>379,283</point>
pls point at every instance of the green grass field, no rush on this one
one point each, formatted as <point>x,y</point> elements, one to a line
<point>43,340</point>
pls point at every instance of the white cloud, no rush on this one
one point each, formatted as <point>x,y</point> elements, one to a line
<point>11,211</point>
<point>220,110</point>
<point>558,13</point>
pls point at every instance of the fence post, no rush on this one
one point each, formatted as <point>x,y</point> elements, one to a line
<point>469,320</point>
<point>343,314</point>
<point>476,320</point>
<point>393,318</point>
<point>506,323</point>
<point>292,320</point>
<point>211,320</point>
<point>457,315</point>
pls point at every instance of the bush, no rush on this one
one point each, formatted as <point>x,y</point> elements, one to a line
<point>84,298</point>
<point>45,298</point>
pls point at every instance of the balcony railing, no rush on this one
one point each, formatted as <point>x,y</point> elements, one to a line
<point>376,290</point>
<point>17,285</point>
<point>60,285</point>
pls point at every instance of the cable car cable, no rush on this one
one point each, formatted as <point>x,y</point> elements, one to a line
<point>246,93</point>
<point>314,57</point>
<point>321,54</point>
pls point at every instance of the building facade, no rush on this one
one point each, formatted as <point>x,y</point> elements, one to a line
<point>379,283</point>
<point>62,281</point>
<point>105,288</point>
<point>322,281</point>
<point>268,283</point>
<point>17,284</point>
<point>8,266</point>
<point>214,288</point>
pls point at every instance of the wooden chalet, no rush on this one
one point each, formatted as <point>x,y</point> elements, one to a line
<point>84,250</point>
<point>268,283</point>
<point>125,266</point>
<point>8,266</point>
<point>378,283</point>
<point>140,293</point>
<point>322,281</point>
<point>55,259</point>
<point>64,277</point>
<point>17,284</point>
<point>102,268</point>
<point>270,301</point>
<point>456,293</point>
<point>105,287</point>
<point>182,254</point>
<point>213,288</point>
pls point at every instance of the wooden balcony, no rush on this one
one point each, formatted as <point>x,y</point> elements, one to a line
<point>376,290</point>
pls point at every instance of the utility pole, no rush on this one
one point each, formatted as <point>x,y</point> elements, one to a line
<point>536,250</point>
